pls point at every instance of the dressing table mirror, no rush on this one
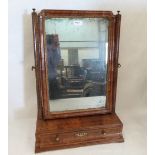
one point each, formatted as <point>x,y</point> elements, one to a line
<point>76,64</point>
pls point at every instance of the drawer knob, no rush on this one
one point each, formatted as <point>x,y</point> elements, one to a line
<point>57,139</point>
<point>103,132</point>
<point>81,134</point>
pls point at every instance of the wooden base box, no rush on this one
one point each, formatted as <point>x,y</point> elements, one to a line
<point>78,131</point>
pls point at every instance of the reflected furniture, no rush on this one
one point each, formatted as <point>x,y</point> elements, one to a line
<point>76,64</point>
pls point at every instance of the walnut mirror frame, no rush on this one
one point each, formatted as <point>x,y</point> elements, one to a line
<point>41,60</point>
<point>73,128</point>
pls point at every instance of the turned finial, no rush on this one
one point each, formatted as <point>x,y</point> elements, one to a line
<point>34,9</point>
<point>118,12</point>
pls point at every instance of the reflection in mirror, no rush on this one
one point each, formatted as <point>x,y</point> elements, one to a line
<point>77,51</point>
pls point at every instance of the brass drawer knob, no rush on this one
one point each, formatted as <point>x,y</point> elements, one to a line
<point>57,139</point>
<point>103,132</point>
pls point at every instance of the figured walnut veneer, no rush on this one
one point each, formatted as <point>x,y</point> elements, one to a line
<point>78,131</point>
<point>79,127</point>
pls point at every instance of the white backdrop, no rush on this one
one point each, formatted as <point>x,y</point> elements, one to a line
<point>131,92</point>
<point>132,74</point>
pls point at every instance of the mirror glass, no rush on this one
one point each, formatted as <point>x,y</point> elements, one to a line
<point>77,55</point>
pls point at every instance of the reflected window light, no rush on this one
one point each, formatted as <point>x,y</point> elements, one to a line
<point>78,23</point>
<point>106,52</point>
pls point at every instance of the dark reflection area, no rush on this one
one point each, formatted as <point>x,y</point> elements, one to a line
<point>54,59</point>
<point>73,80</point>
<point>77,66</point>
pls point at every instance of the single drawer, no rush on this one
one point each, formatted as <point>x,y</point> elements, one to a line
<point>76,136</point>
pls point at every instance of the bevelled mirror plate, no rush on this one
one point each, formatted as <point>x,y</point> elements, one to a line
<point>77,62</point>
